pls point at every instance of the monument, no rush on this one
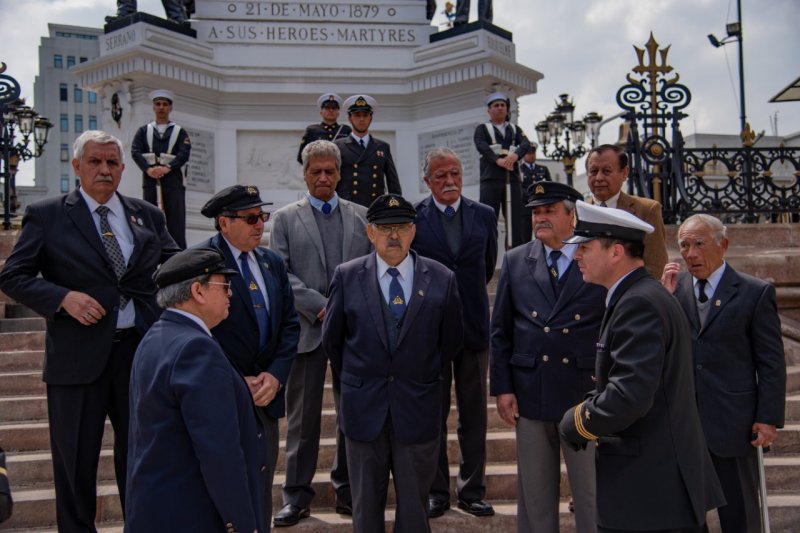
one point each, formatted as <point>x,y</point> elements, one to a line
<point>247,75</point>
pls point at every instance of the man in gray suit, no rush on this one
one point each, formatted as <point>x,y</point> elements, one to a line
<point>314,235</point>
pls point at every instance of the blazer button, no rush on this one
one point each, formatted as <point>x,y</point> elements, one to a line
<point>699,367</point>
<point>565,331</point>
<point>545,358</point>
<point>263,468</point>
<point>577,317</point>
<point>534,314</point>
<point>355,165</point>
<point>375,176</point>
<point>547,329</point>
<point>355,182</point>
<point>565,360</point>
<point>391,378</point>
<point>259,435</point>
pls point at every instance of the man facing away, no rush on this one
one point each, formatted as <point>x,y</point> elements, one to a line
<point>313,236</point>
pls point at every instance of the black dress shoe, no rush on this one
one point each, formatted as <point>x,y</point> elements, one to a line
<point>476,507</point>
<point>344,508</point>
<point>437,507</point>
<point>290,515</point>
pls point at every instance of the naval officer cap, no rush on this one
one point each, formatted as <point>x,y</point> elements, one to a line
<point>189,264</point>
<point>162,94</point>
<point>330,100</point>
<point>391,209</point>
<point>596,222</point>
<point>360,102</point>
<point>494,97</point>
<point>550,192</point>
<point>233,198</point>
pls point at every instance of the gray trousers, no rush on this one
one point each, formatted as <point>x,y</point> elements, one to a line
<point>304,391</point>
<point>412,467</point>
<point>539,476</point>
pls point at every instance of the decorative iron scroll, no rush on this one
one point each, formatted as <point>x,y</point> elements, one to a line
<point>744,184</point>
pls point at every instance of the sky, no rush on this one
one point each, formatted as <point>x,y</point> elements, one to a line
<point>583,47</point>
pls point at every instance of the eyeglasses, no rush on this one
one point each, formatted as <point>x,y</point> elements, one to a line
<point>388,229</point>
<point>225,284</point>
<point>251,219</point>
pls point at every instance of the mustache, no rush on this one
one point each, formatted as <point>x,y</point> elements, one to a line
<point>394,242</point>
<point>104,177</point>
<point>542,225</point>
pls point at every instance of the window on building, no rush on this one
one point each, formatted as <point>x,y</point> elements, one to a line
<point>91,96</point>
<point>65,152</point>
<point>70,61</point>
<point>84,60</point>
<point>64,122</point>
<point>78,94</point>
<point>58,61</point>
<point>78,123</point>
<point>92,122</point>
<point>64,182</point>
<point>62,92</point>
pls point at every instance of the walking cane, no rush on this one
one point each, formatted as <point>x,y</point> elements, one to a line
<point>508,210</point>
<point>762,482</point>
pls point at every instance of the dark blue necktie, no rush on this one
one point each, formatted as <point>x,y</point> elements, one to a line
<point>326,208</point>
<point>449,211</point>
<point>259,304</point>
<point>554,257</point>
<point>702,297</point>
<point>397,300</point>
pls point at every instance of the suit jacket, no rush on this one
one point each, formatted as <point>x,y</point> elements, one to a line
<point>404,385</point>
<point>368,173</point>
<point>529,177</point>
<point>195,452</point>
<point>655,244</point>
<point>653,468</point>
<point>60,241</point>
<point>740,367</point>
<point>543,345</point>
<point>296,238</point>
<point>238,334</point>
<point>489,170</point>
<point>473,264</point>
<point>321,131</point>
<point>181,150</point>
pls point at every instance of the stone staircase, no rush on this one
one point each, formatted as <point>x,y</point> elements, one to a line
<point>24,433</point>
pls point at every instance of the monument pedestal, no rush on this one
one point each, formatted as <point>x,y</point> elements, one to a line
<point>246,87</point>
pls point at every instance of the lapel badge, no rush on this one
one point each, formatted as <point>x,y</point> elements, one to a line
<point>421,292</point>
<point>139,222</point>
<point>380,153</point>
<point>718,302</point>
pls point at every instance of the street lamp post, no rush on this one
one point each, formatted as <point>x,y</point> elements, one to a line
<point>17,118</point>
<point>734,31</point>
<point>561,121</point>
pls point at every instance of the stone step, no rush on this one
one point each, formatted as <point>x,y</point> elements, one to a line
<point>12,325</point>
<point>793,378</point>
<point>21,383</point>
<point>19,360</point>
<point>793,407</point>
<point>35,436</point>
<point>791,348</point>
<point>15,310</point>
<point>23,408</point>
<point>28,340</point>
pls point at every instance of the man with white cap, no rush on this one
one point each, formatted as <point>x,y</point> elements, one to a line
<point>161,148</point>
<point>501,145</point>
<point>327,130</point>
<point>368,169</point>
<point>654,472</point>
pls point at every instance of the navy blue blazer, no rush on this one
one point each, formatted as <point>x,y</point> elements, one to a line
<point>405,385</point>
<point>473,264</point>
<point>60,241</point>
<point>543,346</point>
<point>194,450</point>
<point>740,367</point>
<point>238,334</point>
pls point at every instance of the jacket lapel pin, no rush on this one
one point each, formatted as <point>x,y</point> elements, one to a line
<point>421,292</point>
<point>718,302</point>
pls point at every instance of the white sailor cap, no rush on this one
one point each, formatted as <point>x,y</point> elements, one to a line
<point>162,93</point>
<point>496,96</point>
<point>360,102</point>
<point>329,98</point>
<point>595,222</point>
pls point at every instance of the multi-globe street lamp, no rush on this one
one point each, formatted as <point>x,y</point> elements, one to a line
<point>562,121</point>
<point>18,122</point>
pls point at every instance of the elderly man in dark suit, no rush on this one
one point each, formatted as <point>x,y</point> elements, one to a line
<point>740,368</point>
<point>545,325</point>
<point>368,168</point>
<point>392,326</point>
<point>196,455</point>
<point>96,251</point>
<point>501,145</point>
<point>262,330</point>
<point>462,235</point>
<point>314,235</point>
<point>654,472</point>
<point>606,171</point>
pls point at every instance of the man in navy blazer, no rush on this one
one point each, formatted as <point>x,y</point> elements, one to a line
<point>392,326</point>
<point>262,330</point>
<point>97,308</point>
<point>545,325</point>
<point>196,456</point>
<point>462,235</point>
<point>740,368</point>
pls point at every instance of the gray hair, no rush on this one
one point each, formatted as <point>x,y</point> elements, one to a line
<point>95,136</point>
<point>718,230</point>
<point>569,205</point>
<point>177,293</point>
<point>322,149</point>
<point>436,154</point>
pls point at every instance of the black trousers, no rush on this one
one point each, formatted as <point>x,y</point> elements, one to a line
<point>493,194</point>
<point>739,479</point>
<point>174,197</point>
<point>77,415</point>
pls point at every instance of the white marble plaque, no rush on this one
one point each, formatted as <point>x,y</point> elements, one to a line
<point>268,159</point>
<point>200,168</point>
<point>315,11</point>
<point>314,34</point>
<point>460,140</point>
